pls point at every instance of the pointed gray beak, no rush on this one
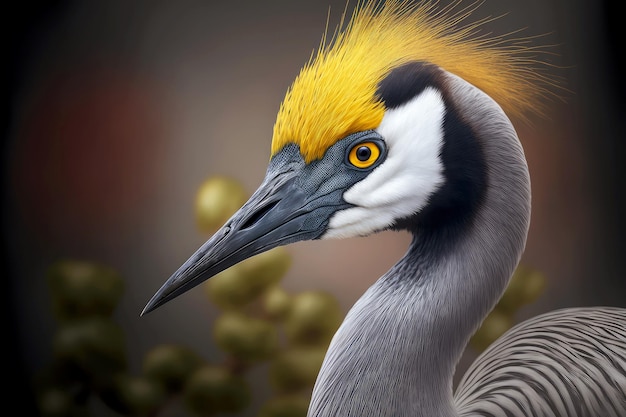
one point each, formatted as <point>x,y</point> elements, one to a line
<point>279,212</point>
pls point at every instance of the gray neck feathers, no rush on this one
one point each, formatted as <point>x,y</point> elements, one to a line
<point>396,352</point>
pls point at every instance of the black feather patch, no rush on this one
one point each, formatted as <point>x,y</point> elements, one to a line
<point>451,208</point>
<point>408,81</point>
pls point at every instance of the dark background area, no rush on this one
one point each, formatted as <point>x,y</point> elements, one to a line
<point>116,112</point>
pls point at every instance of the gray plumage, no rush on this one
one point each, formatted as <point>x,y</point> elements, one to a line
<point>396,353</point>
<point>569,362</point>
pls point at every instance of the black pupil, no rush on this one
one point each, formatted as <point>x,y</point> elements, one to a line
<point>363,153</point>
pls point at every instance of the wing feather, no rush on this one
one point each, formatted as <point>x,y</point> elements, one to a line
<point>566,363</point>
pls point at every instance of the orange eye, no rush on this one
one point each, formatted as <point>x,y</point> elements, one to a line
<point>364,154</point>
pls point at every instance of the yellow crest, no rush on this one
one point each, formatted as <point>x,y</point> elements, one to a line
<point>335,93</point>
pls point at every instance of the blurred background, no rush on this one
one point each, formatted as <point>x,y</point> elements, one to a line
<point>118,111</point>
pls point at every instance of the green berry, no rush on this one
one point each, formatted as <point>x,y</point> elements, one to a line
<point>212,390</point>
<point>524,287</point>
<point>313,319</point>
<point>494,326</point>
<point>246,338</point>
<point>277,303</point>
<point>296,369</point>
<point>534,286</point>
<point>245,282</point>
<point>81,289</point>
<point>170,366</point>
<point>216,201</point>
<point>94,345</point>
<point>133,395</point>
<point>285,406</point>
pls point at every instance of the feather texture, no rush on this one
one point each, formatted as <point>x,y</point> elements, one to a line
<point>569,362</point>
<point>335,93</point>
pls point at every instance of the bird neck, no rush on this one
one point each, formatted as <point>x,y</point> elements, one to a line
<point>397,350</point>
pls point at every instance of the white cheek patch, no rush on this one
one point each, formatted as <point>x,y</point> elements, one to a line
<point>412,172</point>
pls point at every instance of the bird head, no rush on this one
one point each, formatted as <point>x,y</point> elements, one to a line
<point>370,135</point>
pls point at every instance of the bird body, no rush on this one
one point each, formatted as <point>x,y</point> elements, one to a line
<point>419,139</point>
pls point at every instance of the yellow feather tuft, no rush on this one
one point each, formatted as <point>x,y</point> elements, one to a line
<point>335,93</point>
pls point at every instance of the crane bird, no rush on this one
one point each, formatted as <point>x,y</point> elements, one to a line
<point>401,120</point>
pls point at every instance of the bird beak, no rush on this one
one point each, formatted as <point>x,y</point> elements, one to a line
<point>279,212</point>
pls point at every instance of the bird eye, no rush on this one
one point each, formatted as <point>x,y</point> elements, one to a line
<point>364,154</point>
